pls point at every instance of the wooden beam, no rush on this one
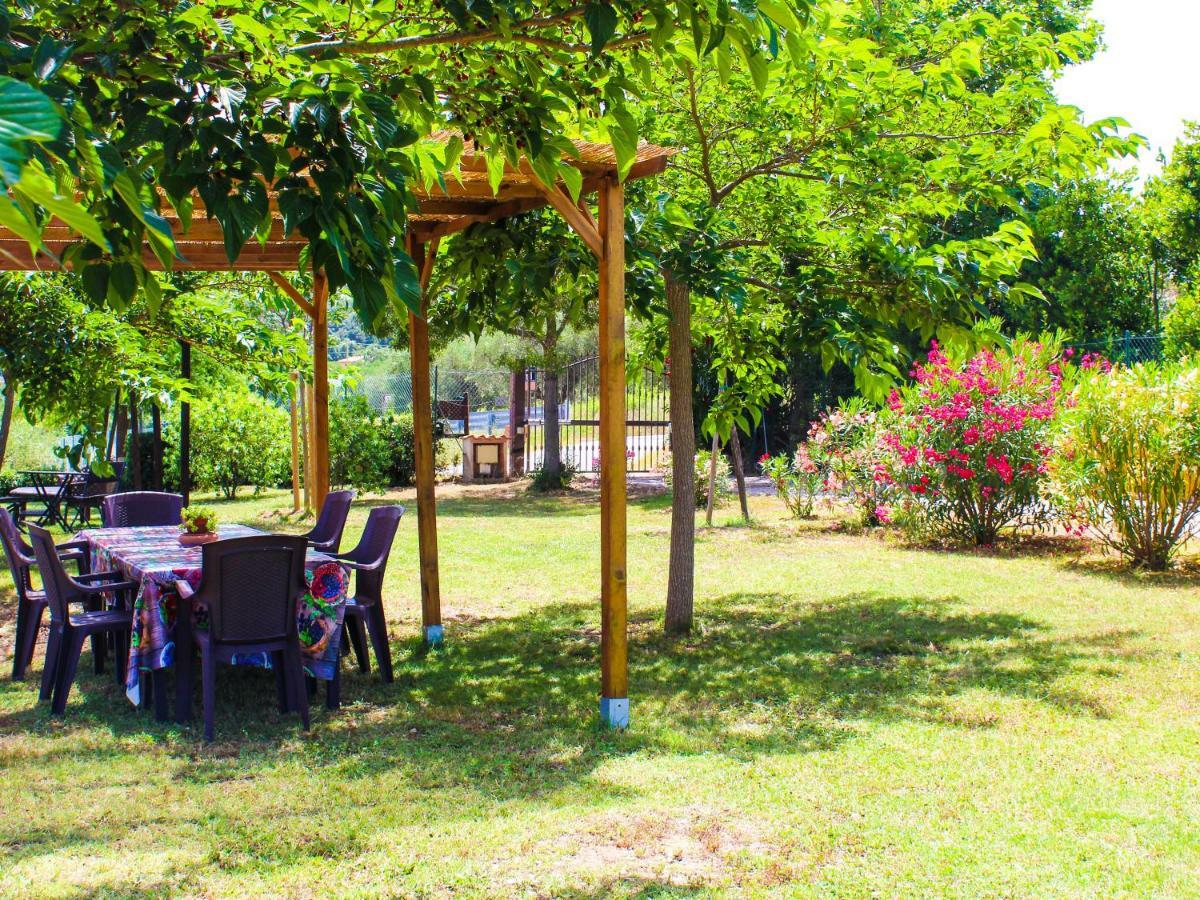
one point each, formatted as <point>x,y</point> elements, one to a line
<point>418,348</point>
<point>614,677</point>
<point>581,221</point>
<point>295,424</point>
<point>290,289</point>
<point>197,257</point>
<point>320,411</point>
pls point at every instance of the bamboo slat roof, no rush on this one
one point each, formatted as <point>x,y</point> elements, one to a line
<point>462,202</point>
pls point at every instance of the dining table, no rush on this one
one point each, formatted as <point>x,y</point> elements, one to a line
<point>157,562</point>
<point>48,487</point>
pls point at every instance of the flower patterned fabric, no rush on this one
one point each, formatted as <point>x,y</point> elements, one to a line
<point>154,559</point>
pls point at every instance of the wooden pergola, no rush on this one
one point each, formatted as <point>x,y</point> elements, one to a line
<point>444,210</point>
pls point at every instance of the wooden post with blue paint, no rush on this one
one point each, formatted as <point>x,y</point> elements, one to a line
<point>423,256</point>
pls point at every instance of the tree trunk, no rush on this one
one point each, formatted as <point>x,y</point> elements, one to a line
<point>682,574</point>
<point>10,400</point>
<point>156,451</point>
<point>739,471</point>
<point>552,463</point>
<point>135,441</point>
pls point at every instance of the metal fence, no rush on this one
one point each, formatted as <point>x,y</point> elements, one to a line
<point>647,423</point>
<point>487,394</point>
<point>1127,348</point>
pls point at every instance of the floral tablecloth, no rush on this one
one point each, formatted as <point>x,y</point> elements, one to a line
<point>154,559</point>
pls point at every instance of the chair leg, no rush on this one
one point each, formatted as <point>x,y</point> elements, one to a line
<point>158,677</point>
<point>358,641</point>
<point>333,690</point>
<point>281,683</point>
<point>299,688</point>
<point>377,625</point>
<point>71,649</point>
<point>208,677</point>
<point>121,656</point>
<point>54,643</point>
<point>99,651</point>
<point>29,623</point>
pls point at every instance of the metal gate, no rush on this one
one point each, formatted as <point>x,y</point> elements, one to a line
<point>647,423</point>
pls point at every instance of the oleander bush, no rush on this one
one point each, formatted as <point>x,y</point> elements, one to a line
<point>844,443</point>
<point>721,488</point>
<point>965,452</point>
<point>797,479</point>
<point>1127,467</point>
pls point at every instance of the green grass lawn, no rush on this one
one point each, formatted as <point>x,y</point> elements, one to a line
<point>850,718</point>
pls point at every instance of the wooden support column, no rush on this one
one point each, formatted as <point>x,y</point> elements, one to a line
<point>418,348</point>
<point>320,406</point>
<point>294,417</point>
<point>185,426</point>
<point>614,676</point>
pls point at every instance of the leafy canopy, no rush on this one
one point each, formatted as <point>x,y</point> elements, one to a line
<point>110,111</point>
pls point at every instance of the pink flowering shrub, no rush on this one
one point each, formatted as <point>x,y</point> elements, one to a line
<point>967,450</point>
<point>797,480</point>
<point>845,445</point>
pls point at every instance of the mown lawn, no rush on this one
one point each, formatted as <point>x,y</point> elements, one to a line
<point>851,718</point>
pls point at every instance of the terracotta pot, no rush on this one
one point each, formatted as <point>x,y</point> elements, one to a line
<point>195,540</point>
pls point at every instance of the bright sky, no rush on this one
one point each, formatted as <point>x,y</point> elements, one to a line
<point>1149,72</point>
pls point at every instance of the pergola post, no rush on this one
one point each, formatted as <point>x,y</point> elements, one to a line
<point>185,426</point>
<point>614,673</point>
<point>320,410</point>
<point>423,455</point>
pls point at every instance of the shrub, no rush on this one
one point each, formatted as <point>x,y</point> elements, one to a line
<point>845,444</point>
<point>360,449</point>
<point>1181,328</point>
<point>544,482</point>
<point>402,465</point>
<point>722,489</point>
<point>966,450</point>
<point>797,480</point>
<point>239,439</point>
<point>1128,466</point>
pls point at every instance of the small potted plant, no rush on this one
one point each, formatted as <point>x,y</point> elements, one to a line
<point>199,526</point>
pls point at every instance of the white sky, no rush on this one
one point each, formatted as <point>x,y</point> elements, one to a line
<point>1149,72</point>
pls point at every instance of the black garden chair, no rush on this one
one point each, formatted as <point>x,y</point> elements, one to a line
<point>364,611</point>
<point>326,535</point>
<point>69,630</point>
<point>250,590</point>
<point>31,603</point>
<point>141,509</point>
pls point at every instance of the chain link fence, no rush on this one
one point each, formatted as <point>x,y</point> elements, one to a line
<point>486,393</point>
<point>1126,348</point>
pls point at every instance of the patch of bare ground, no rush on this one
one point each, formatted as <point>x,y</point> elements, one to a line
<point>694,847</point>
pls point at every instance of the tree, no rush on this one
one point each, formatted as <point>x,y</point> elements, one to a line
<point>528,276</point>
<point>1094,267</point>
<point>829,181</point>
<point>108,110</point>
<point>1173,209</point>
<point>65,360</point>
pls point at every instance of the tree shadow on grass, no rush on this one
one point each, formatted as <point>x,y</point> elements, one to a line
<point>507,712</point>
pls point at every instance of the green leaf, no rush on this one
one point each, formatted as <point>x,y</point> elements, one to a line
<point>26,114</point>
<point>601,21</point>
<point>37,187</point>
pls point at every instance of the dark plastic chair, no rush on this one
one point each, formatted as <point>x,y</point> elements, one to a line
<point>326,535</point>
<point>68,631</point>
<point>31,604</point>
<point>250,589</point>
<point>364,611</point>
<point>140,509</point>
